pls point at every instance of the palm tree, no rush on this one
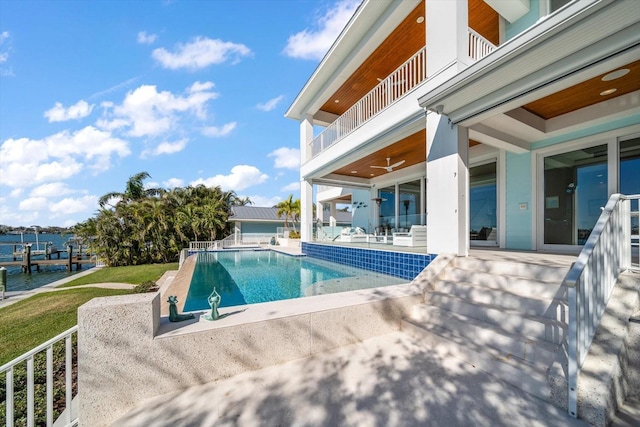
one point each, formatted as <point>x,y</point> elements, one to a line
<point>134,190</point>
<point>290,209</point>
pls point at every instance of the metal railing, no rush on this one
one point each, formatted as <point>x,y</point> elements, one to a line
<point>29,359</point>
<point>479,47</point>
<point>243,239</point>
<point>591,280</point>
<point>405,78</point>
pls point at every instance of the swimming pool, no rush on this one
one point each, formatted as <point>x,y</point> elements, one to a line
<point>247,277</point>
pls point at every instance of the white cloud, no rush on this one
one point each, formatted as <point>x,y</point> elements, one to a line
<point>147,112</point>
<point>294,186</point>
<point>4,56</point>
<point>200,53</point>
<point>241,177</point>
<point>33,204</point>
<point>144,38</point>
<point>173,183</point>
<point>60,114</point>
<point>72,205</point>
<point>16,192</point>
<point>270,104</point>
<point>286,158</point>
<point>314,43</point>
<point>113,89</point>
<point>25,162</point>
<point>217,132</point>
<point>50,190</point>
<point>265,201</point>
<point>165,148</point>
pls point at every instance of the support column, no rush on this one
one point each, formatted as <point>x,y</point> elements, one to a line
<point>447,28</point>
<point>332,214</point>
<point>306,189</point>
<point>306,211</point>
<point>447,187</point>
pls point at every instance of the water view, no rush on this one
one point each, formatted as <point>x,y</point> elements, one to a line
<point>18,281</point>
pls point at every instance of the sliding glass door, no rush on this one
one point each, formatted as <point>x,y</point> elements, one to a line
<point>483,205</point>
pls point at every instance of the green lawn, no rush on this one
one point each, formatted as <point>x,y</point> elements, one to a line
<point>30,322</point>
<point>134,274</point>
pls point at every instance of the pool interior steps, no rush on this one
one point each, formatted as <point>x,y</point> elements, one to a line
<point>507,318</point>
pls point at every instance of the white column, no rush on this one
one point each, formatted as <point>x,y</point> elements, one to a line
<point>306,211</point>
<point>447,187</point>
<point>306,136</point>
<point>306,188</point>
<point>332,214</point>
<point>447,24</point>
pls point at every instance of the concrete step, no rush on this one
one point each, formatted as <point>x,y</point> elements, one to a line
<point>528,326</point>
<point>515,371</point>
<point>448,290</point>
<point>526,287</point>
<point>535,271</point>
<point>537,352</point>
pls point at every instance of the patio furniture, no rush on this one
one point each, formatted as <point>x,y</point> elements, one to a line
<point>417,236</point>
<point>355,235</point>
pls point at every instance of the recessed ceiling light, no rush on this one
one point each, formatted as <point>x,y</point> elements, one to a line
<point>420,19</point>
<point>336,101</point>
<point>354,171</point>
<point>372,174</point>
<point>607,92</point>
<point>615,74</point>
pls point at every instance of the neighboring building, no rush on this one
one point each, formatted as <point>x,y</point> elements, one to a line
<point>255,220</point>
<point>503,123</point>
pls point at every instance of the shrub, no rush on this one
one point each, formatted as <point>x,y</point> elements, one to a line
<point>148,286</point>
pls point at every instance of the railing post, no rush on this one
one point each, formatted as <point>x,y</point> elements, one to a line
<point>572,341</point>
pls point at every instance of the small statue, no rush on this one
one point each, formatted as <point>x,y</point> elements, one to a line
<point>214,301</point>
<point>173,311</point>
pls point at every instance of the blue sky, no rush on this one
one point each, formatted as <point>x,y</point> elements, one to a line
<point>92,92</point>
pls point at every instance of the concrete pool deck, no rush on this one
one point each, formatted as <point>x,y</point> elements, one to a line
<point>391,380</point>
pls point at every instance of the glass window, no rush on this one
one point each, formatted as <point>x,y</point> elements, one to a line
<point>630,174</point>
<point>387,209</point>
<point>409,199</point>
<point>575,189</point>
<point>483,203</point>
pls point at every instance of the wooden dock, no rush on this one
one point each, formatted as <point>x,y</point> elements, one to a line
<point>27,262</point>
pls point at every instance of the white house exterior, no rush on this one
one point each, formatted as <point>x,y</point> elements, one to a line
<point>511,122</point>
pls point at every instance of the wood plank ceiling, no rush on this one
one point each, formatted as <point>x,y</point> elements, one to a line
<point>587,93</point>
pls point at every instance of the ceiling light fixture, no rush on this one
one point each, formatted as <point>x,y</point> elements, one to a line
<point>420,19</point>
<point>354,171</point>
<point>615,74</point>
<point>607,92</point>
<point>336,101</point>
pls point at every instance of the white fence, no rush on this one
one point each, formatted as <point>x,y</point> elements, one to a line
<point>233,241</point>
<point>399,83</point>
<point>479,47</point>
<point>29,360</point>
<point>591,280</point>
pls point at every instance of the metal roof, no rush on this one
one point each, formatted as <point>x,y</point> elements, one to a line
<point>254,213</point>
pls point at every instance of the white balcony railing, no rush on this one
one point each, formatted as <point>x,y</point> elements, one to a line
<point>32,362</point>
<point>479,47</point>
<point>610,249</point>
<point>399,83</point>
<point>404,79</point>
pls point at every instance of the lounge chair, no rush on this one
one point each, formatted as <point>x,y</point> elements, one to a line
<point>354,235</point>
<point>417,236</point>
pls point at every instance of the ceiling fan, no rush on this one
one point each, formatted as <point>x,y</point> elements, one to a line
<point>389,167</point>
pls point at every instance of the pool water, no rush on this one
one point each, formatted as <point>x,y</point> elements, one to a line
<point>247,277</point>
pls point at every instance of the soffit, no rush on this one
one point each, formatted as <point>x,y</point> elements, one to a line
<point>400,45</point>
<point>586,93</point>
<point>411,149</point>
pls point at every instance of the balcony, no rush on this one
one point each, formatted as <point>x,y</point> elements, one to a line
<point>398,84</point>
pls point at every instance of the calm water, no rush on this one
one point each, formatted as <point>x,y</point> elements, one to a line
<point>247,277</point>
<point>18,281</point>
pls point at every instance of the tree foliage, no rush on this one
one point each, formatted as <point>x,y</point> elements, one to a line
<point>290,209</point>
<point>153,225</point>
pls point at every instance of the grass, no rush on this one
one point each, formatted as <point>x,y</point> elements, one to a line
<point>30,322</point>
<point>134,274</point>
